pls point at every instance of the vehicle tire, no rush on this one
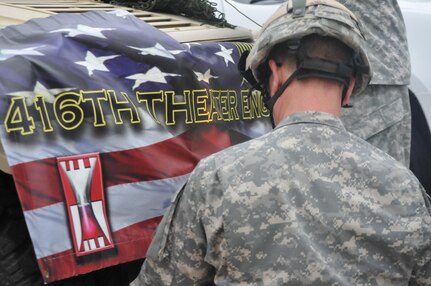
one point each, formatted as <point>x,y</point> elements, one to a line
<point>18,266</point>
<point>420,158</point>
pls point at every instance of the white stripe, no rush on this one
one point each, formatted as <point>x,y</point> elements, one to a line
<point>76,224</point>
<point>92,244</point>
<point>150,133</point>
<point>42,148</point>
<point>129,204</point>
<point>86,246</point>
<point>101,242</point>
<point>98,213</point>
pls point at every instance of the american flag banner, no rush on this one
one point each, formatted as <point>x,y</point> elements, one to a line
<point>102,118</point>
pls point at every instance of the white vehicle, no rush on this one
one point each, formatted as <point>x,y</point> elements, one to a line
<point>417,16</point>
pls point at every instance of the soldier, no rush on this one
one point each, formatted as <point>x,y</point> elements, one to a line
<point>382,115</point>
<point>309,203</point>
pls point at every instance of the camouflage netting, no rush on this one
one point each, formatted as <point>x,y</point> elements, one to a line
<point>197,9</point>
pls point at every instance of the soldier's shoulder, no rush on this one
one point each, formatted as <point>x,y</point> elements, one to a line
<point>241,150</point>
<point>381,163</point>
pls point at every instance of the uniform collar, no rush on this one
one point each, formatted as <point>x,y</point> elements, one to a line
<point>312,117</point>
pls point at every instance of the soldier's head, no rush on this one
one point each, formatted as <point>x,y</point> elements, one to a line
<point>311,39</point>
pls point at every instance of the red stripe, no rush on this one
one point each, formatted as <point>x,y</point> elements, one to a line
<point>38,182</point>
<point>131,243</point>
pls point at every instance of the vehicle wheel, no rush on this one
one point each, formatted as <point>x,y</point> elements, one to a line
<point>18,265</point>
<point>420,158</point>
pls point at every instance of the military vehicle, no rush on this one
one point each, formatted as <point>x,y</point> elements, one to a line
<point>18,264</point>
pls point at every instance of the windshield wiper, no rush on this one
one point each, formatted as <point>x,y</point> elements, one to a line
<point>256,1</point>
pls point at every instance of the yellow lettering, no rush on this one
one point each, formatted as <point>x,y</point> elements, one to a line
<point>96,97</point>
<point>17,117</point>
<point>126,105</point>
<point>215,105</point>
<point>40,105</point>
<point>233,105</point>
<point>200,106</point>
<point>253,106</point>
<point>175,105</point>
<point>67,110</point>
<point>149,99</point>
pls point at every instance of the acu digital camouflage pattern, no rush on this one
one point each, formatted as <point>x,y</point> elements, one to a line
<point>307,204</point>
<point>385,33</point>
<point>381,114</point>
<point>322,19</point>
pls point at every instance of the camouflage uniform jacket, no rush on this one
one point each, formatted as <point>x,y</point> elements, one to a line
<point>385,32</point>
<point>307,204</point>
<point>382,112</point>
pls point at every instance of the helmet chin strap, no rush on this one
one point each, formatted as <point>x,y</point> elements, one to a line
<point>313,67</point>
<point>271,100</point>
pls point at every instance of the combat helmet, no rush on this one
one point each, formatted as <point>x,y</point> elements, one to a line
<point>299,18</point>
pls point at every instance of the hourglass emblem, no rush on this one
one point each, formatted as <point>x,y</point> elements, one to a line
<point>81,177</point>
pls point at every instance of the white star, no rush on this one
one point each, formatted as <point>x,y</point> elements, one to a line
<point>205,77</point>
<point>158,50</point>
<point>93,63</point>
<point>40,89</point>
<point>120,13</point>
<point>243,81</point>
<point>152,75</point>
<point>189,45</point>
<point>226,54</point>
<point>84,30</point>
<point>9,53</point>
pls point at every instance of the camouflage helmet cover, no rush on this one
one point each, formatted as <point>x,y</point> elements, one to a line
<point>323,17</point>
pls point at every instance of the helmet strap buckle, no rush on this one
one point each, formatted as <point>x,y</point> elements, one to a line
<point>298,8</point>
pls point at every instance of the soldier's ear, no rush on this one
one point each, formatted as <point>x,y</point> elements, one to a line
<point>275,79</point>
